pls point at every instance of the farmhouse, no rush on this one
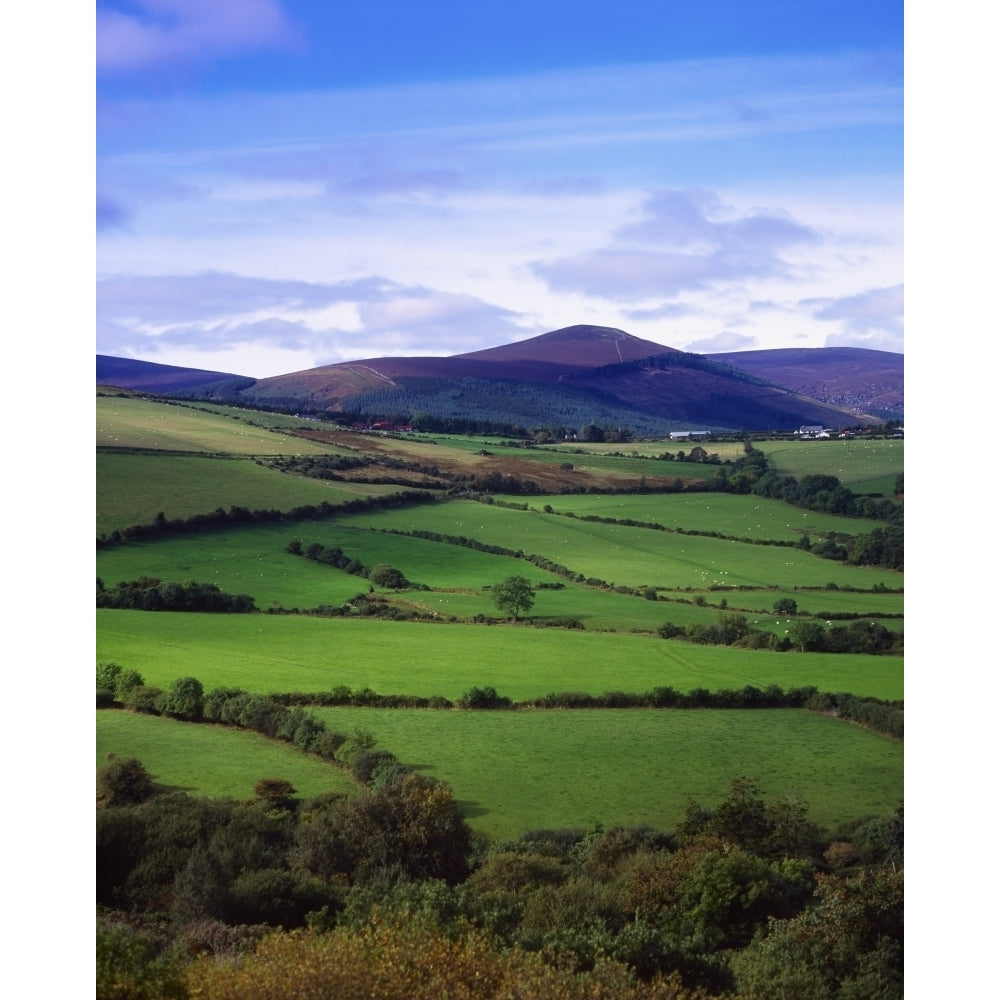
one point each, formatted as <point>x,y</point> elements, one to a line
<point>812,431</point>
<point>681,435</point>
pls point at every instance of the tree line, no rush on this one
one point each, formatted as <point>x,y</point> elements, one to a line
<point>283,716</point>
<point>237,516</point>
<point>803,634</point>
<point>149,593</point>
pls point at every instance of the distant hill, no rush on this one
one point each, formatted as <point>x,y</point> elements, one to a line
<point>568,377</point>
<point>849,377</point>
<point>147,376</point>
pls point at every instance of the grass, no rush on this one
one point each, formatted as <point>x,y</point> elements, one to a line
<point>631,556</point>
<point>212,760</point>
<point>133,488</point>
<point>129,422</point>
<point>515,771</point>
<point>727,514</point>
<point>852,460</point>
<point>274,653</point>
<point>510,771</point>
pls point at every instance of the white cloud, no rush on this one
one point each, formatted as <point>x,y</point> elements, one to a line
<point>872,319</point>
<point>212,316</point>
<point>722,343</point>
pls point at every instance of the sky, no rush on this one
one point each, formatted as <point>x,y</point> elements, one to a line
<point>283,184</point>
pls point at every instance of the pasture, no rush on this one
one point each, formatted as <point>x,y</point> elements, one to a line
<point>515,771</point>
<point>132,488</point>
<point>280,653</point>
<point>132,422</point>
<point>633,556</point>
<point>727,514</point>
<point>211,760</point>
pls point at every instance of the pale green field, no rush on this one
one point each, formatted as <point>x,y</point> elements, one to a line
<point>273,653</point>
<point>727,514</point>
<point>851,460</point>
<point>133,488</point>
<point>515,771</point>
<point>212,760</point>
<point>125,422</point>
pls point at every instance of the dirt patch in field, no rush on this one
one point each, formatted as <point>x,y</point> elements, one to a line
<point>447,467</point>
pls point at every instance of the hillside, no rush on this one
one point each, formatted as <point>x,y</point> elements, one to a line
<point>850,377</point>
<point>569,377</point>
<point>146,376</point>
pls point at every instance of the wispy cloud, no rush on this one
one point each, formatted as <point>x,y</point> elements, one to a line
<point>872,319</point>
<point>214,319</point>
<point>164,32</point>
<point>722,343</point>
<point>688,241</point>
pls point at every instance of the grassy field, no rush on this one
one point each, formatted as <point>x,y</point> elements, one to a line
<point>742,516</point>
<point>514,771</point>
<point>127,422</point>
<point>272,653</point>
<point>628,555</point>
<point>851,460</point>
<point>133,488</point>
<point>211,760</point>
<point>555,768</point>
<point>854,461</point>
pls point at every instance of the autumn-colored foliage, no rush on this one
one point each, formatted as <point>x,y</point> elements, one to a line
<point>393,961</point>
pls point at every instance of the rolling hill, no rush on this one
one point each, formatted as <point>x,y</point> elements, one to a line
<point>569,377</point>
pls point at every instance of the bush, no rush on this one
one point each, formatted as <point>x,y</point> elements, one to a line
<point>278,897</point>
<point>145,699</point>
<point>123,782</point>
<point>130,968</point>
<point>384,575</point>
<point>483,698</point>
<point>185,699</point>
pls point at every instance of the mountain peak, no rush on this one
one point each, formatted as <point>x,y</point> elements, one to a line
<point>580,346</point>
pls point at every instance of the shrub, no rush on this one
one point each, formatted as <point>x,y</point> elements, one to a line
<point>123,782</point>
<point>185,699</point>
<point>384,575</point>
<point>483,698</point>
<point>368,762</point>
<point>278,897</point>
<point>129,967</point>
<point>276,792</point>
<point>107,675</point>
<point>145,699</point>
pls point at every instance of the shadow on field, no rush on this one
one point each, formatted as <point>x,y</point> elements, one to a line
<point>469,808</point>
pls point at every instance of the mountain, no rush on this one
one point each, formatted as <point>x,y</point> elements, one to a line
<point>850,377</point>
<point>147,376</point>
<point>569,377</point>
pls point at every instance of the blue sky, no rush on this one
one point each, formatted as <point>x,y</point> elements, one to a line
<point>282,185</point>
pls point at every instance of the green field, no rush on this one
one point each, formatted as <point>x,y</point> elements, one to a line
<point>852,460</point>
<point>727,514</point>
<point>510,771</point>
<point>125,422</point>
<point>275,653</point>
<point>211,760</point>
<point>514,771</point>
<point>133,488</point>
<point>636,557</point>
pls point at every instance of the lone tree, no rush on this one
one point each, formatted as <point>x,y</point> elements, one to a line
<point>514,595</point>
